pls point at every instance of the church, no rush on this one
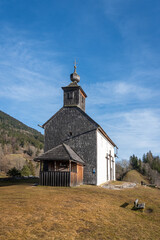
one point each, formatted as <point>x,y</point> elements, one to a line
<point>76,149</point>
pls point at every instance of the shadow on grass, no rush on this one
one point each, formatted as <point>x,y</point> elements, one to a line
<point>124,205</point>
<point>11,182</point>
<point>149,210</point>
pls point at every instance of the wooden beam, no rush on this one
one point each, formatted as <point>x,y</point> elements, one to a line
<point>70,171</point>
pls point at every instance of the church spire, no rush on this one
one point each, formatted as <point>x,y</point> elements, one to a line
<point>74,76</point>
<point>74,96</point>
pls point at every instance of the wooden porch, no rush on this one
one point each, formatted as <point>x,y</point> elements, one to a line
<point>56,179</point>
<point>60,173</point>
<point>60,166</point>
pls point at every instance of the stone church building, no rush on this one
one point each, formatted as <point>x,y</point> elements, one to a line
<point>76,150</point>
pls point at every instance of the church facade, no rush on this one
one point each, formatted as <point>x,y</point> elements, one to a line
<point>75,144</point>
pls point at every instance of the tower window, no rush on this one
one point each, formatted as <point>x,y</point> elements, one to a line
<point>70,95</point>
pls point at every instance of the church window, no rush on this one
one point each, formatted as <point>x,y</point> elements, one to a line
<point>70,133</point>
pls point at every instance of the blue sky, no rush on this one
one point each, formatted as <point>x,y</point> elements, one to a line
<point>117,47</point>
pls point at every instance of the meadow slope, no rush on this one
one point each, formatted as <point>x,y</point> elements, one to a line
<point>86,212</point>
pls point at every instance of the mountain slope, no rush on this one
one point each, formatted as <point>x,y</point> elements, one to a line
<point>18,143</point>
<point>16,133</point>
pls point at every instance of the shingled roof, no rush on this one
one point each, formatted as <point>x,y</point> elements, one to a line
<point>89,118</point>
<point>60,153</point>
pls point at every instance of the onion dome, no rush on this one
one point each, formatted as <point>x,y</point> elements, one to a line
<point>75,78</point>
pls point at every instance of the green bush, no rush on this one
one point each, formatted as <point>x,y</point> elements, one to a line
<point>14,172</point>
<point>25,172</point>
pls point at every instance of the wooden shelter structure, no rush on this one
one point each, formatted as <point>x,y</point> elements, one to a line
<point>60,166</point>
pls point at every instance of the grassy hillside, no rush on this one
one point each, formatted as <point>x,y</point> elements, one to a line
<point>134,176</point>
<point>86,212</point>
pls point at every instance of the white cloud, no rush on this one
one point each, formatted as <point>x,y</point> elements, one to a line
<point>27,93</point>
<point>25,74</point>
<point>119,92</point>
<point>135,132</point>
<point>30,78</point>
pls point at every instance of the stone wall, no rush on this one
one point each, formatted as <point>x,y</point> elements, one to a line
<point>85,146</point>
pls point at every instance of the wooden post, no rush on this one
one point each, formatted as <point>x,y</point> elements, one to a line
<point>70,170</point>
<point>54,165</point>
<point>40,173</point>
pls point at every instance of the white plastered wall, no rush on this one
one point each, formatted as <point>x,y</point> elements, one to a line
<point>103,148</point>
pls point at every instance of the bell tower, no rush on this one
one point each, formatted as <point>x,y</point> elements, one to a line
<point>74,96</point>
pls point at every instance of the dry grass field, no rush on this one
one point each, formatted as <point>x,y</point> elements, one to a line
<point>86,212</point>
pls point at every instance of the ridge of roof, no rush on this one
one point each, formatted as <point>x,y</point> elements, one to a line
<point>106,135</point>
<point>71,154</point>
<point>98,127</point>
<point>50,150</point>
<point>52,117</point>
<point>64,107</point>
<point>86,115</point>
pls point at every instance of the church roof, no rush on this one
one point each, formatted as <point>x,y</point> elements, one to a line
<point>61,152</point>
<point>97,126</point>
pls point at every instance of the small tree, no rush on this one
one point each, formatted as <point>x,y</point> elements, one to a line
<point>14,172</point>
<point>25,171</point>
<point>121,168</point>
<point>134,161</point>
<point>31,168</point>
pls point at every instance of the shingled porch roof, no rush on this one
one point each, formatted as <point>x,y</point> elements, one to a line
<point>62,152</point>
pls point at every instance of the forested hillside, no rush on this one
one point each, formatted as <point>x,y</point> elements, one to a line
<point>18,134</point>
<point>148,166</point>
<point>18,143</point>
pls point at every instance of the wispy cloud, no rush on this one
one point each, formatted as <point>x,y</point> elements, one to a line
<point>117,92</point>
<point>26,78</point>
<point>29,92</point>
<point>135,132</point>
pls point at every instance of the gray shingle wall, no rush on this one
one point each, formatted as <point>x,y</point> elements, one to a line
<point>83,139</point>
<point>85,146</point>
